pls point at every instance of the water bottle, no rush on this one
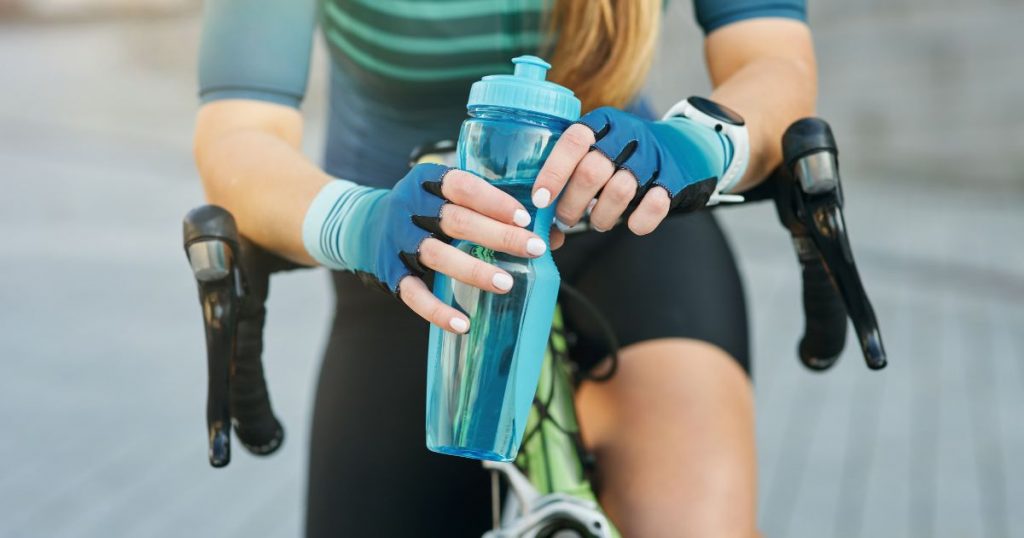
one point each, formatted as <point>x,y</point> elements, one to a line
<point>480,385</point>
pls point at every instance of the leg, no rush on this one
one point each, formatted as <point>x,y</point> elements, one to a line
<point>673,433</point>
<point>369,471</point>
<point>673,430</point>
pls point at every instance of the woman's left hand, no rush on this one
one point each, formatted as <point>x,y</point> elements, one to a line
<point>618,158</point>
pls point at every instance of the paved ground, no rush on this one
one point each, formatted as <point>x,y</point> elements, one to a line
<point>101,401</point>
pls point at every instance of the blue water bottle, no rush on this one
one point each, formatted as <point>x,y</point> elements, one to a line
<point>480,385</point>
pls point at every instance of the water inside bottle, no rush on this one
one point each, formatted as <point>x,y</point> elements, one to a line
<point>481,365</point>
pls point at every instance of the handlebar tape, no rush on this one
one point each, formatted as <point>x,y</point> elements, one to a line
<point>825,323</point>
<point>257,427</point>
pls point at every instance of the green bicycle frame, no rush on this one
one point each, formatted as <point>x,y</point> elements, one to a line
<point>552,453</point>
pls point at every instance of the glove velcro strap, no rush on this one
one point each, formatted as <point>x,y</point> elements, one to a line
<point>694,196</point>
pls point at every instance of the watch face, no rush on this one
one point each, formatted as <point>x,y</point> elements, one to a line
<point>721,113</point>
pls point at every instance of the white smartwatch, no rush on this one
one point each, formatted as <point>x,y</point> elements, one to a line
<point>726,121</point>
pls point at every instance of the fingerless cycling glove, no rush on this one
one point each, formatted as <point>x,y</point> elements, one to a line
<point>376,233</point>
<point>679,155</point>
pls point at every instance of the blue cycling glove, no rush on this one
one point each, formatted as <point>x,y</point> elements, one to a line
<point>677,154</point>
<point>376,232</point>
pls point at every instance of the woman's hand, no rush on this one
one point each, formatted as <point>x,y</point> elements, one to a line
<point>621,160</point>
<point>478,212</point>
<point>393,237</point>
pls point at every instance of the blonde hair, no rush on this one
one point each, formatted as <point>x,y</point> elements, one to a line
<point>603,49</point>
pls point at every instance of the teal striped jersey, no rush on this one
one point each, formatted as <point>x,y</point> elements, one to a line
<point>401,69</point>
<point>260,48</point>
<point>445,42</point>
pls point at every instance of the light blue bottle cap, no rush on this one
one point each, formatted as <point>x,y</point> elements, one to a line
<point>526,89</point>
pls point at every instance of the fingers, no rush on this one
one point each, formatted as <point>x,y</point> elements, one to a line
<point>557,238</point>
<point>415,294</point>
<point>590,176</point>
<point>614,199</point>
<point>468,190</point>
<point>571,148</point>
<point>461,266</point>
<point>461,223</point>
<point>651,211</point>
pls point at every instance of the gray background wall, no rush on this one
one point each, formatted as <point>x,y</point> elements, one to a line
<point>916,90</point>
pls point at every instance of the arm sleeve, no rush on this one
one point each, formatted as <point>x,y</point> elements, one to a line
<point>714,14</point>
<point>256,49</point>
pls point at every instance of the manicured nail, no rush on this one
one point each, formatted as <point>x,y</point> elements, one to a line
<point>541,198</point>
<point>502,281</point>
<point>459,325</point>
<point>590,206</point>
<point>521,218</point>
<point>535,246</point>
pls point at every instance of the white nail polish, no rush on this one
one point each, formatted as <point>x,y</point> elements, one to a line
<point>502,281</point>
<point>590,206</point>
<point>535,246</point>
<point>521,218</point>
<point>459,325</point>
<point>541,198</point>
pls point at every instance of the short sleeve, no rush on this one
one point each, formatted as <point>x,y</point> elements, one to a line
<point>256,49</point>
<point>714,14</point>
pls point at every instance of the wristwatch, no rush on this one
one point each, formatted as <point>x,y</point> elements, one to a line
<point>726,121</point>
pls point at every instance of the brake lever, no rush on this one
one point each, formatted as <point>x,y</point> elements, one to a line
<point>233,275</point>
<point>212,250</point>
<point>811,206</point>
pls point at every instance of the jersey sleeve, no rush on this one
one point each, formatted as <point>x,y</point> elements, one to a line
<point>714,14</point>
<point>256,49</point>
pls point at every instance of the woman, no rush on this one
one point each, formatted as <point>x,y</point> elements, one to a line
<point>673,430</point>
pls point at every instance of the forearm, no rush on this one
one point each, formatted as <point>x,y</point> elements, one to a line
<point>765,70</point>
<point>250,164</point>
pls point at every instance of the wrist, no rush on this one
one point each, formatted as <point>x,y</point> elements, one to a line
<point>730,126</point>
<point>335,225</point>
<point>704,152</point>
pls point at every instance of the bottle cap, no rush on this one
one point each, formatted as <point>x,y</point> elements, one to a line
<point>526,89</point>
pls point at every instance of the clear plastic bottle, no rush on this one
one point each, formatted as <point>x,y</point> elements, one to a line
<point>480,385</point>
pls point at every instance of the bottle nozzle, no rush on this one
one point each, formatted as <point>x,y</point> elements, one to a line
<point>531,67</point>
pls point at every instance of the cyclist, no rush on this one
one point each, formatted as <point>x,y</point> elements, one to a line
<point>673,430</point>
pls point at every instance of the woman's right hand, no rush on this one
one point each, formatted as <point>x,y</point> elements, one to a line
<point>475,211</point>
<point>396,236</point>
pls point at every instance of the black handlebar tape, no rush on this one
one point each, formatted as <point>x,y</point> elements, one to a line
<point>218,298</point>
<point>825,323</point>
<point>257,427</point>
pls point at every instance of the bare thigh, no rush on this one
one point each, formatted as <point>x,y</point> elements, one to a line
<point>673,433</point>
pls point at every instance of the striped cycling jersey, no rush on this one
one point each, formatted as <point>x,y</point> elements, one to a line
<point>440,42</point>
<point>401,69</point>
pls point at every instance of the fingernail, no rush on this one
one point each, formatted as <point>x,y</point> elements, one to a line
<point>590,206</point>
<point>502,281</point>
<point>521,218</point>
<point>458,325</point>
<point>535,246</point>
<point>541,198</point>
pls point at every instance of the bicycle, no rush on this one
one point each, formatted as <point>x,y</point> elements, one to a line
<point>550,493</point>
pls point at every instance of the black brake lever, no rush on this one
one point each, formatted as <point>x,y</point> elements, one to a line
<point>232,275</point>
<point>211,245</point>
<point>810,204</point>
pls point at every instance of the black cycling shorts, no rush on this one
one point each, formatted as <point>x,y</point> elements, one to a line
<point>370,473</point>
